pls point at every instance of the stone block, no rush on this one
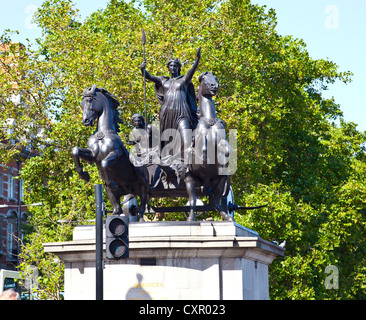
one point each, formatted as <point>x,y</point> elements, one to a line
<point>172,260</point>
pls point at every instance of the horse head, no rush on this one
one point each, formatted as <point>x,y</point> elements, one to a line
<point>91,107</point>
<point>94,101</point>
<point>208,84</point>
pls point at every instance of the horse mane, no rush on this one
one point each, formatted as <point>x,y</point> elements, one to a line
<point>204,74</point>
<point>112,99</point>
<point>200,78</point>
<point>114,104</point>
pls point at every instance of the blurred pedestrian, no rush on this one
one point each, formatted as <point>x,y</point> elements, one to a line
<point>10,294</point>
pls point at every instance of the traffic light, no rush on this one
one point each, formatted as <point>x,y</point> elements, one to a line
<point>117,237</point>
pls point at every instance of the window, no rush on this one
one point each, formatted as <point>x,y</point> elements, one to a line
<point>10,240</point>
<point>11,187</point>
<point>1,184</point>
<point>1,235</point>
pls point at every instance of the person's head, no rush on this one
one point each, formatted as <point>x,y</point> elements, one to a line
<point>10,294</point>
<point>138,121</point>
<point>174,67</point>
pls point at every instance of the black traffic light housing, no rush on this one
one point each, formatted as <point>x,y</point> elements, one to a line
<point>117,237</point>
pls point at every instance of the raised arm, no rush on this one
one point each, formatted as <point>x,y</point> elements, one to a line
<point>191,71</point>
<point>148,75</point>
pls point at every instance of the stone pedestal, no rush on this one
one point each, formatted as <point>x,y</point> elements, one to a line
<point>172,260</point>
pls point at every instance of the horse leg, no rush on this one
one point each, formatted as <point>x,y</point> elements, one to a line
<point>110,159</point>
<point>143,185</point>
<point>114,196</point>
<point>143,201</point>
<point>185,131</point>
<point>113,190</point>
<point>190,186</point>
<point>86,155</point>
<point>218,190</point>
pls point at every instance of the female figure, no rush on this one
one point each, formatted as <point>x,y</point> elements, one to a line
<point>177,98</point>
<point>138,133</point>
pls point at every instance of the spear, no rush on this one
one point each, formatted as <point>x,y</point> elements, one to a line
<point>143,39</point>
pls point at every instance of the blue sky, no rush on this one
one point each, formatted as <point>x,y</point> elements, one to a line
<point>333,29</point>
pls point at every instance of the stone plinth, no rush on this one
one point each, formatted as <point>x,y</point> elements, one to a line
<point>172,260</point>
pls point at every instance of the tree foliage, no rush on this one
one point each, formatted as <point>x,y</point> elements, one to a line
<point>291,154</point>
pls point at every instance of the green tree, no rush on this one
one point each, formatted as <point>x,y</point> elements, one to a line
<point>291,155</point>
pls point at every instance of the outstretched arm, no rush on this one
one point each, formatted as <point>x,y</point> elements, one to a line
<point>191,71</point>
<point>148,75</point>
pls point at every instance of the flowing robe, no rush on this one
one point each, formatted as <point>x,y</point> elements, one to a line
<point>178,102</point>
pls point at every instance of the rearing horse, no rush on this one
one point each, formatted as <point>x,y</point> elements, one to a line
<point>107,151</point>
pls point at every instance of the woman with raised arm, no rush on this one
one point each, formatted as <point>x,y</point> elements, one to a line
<point>177,98</point>
<point>176,95</point>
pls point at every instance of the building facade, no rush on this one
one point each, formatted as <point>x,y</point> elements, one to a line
<point>12,209</point>
<point>9,214</point>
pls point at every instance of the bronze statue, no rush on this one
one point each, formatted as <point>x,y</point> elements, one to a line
<point>107,151</point>
<point>211,150</point>
<point>177,98</point>
<point>147,175</point>
<point>137,134</point>
<point>179,111</point>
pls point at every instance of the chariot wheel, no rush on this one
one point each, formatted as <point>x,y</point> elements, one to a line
<point>227,201</point>
<point>129,208</point>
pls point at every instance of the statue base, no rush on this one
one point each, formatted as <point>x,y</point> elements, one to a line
<point>207,260</point>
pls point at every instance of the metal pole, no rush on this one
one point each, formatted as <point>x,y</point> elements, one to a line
<point>19,212</point>
<point>99,240</point>
<point>143,39</point>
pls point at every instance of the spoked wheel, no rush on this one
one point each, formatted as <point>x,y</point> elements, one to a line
<point>227,200</point>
